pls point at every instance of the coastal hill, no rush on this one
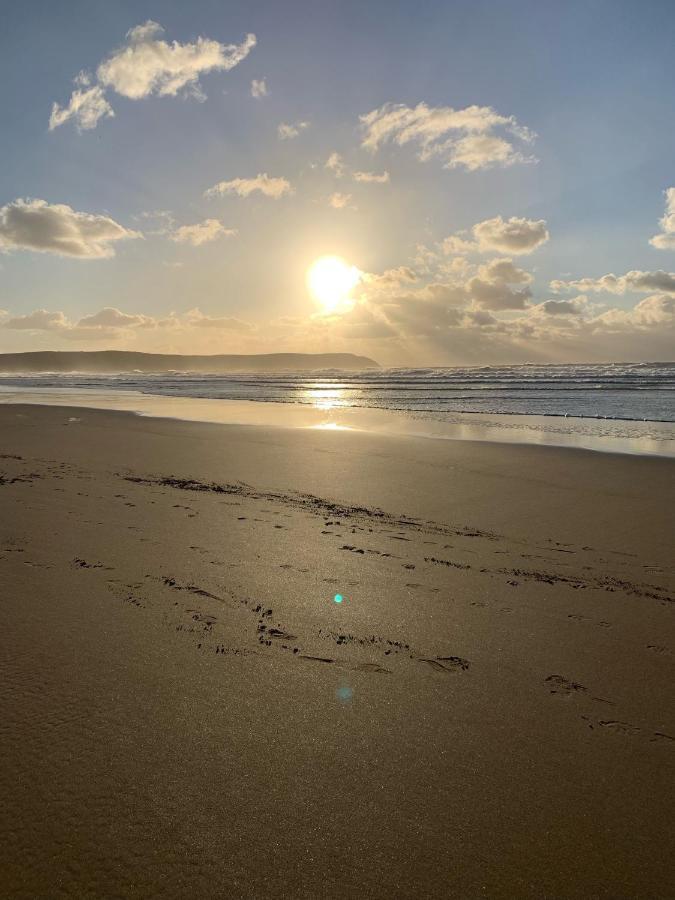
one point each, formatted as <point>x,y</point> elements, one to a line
<point>111,362</point>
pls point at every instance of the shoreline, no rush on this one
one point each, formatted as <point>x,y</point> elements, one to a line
<point>619,436</point>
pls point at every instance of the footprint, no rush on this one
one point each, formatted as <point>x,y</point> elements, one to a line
<point>278,633</point>
<point>619,727</point>
<point>446,664</point>
<point>323,659</point>
<point>560,685</point>
<point>372,667</point>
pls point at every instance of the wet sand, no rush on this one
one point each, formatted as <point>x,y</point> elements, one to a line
<point>186,711</point>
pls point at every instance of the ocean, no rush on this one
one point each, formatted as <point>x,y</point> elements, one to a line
<point>626,391</point>
<point>622,406</point>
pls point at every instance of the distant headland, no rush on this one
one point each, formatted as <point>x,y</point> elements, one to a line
<point>110,362</point>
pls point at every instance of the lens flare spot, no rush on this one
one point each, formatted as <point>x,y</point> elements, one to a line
<point>338,598</point>
<point>344,694</point>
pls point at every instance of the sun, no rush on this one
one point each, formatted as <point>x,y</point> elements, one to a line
<point>330,281</point>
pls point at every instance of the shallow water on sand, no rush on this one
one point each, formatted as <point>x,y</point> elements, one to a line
<point>606,435</point>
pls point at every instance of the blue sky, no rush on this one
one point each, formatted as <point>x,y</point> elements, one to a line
<point>592,83</point>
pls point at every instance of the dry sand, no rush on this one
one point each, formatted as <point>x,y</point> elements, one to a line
<point>186,712</point>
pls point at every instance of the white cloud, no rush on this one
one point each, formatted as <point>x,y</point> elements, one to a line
<point>110,317</point>
<point>634,281</point>
<point>259,88</point>
<point>655,310</point>
<point>288,132</point>
<point>111,324</point>
<point>56,228</point>
<point>86,108</point>
<point>38,320</point>
<point>563,307</point>
<point>666,239</point>
<point>243,187</point>
<point>476,137</point>
<point>656,313</point>
<point>339,201</point>
<point>513,236</point>
<point>496,294</point>
<point>372,177</point>
<point>335,164</point>
<point>504,270</point>
<point>457,245</point>
<point>147,65</point>
<point>517,236</point>
<point>201,232</point>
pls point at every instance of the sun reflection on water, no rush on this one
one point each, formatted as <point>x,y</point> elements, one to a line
<point>326,397</point>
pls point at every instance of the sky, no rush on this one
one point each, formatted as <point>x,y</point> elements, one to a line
<point>496,179</point>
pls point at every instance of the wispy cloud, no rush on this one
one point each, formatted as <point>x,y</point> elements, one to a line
<point>476,137</point>
<point>86,108</point>
<point>372,177</point>
<point>197,319</point>
<point>244,187</point>
<point>335,164</point>
<point>145,65</point>
<point>287,132</point>
<point>202,232</point>
<point>339,201</point>
<point>259,88</point>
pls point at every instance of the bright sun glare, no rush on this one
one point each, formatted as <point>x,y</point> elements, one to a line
<point>330,281</point>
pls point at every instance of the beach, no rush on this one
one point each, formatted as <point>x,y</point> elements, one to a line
<point>245,661</point>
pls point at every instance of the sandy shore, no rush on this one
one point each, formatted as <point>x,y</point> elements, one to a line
<point>186,712</point>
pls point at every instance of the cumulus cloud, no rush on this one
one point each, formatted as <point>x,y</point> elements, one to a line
<point>372,177</point>
<point>146,65</point>
<point>497,294</point>
<point>666,239</point>
<point>476,137</point>
<point>57,228</point>
<point>38,320</point>
<point>110,317</point>
<point>335,164</point>
<point>112,324</point>
<point>517,236</point>
<point>634,281</point>
<point>202,232</point>
<point>244,187</point>
<point>339,201</point>
<point>513,236</point>
<point>107,323</point>
<point>563,307</point>
<point>287,132</point>
<point>86,108</point>
<point>259,88</point>
<point>655,312</point>
<point>455,245</point>
<point>504,270</point>
<point>658,309</point>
